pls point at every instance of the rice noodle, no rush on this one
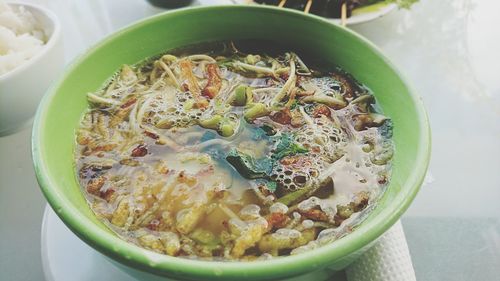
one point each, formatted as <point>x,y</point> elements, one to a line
<point>97,99</point>
<point>201,58</point>
<point>254,68</point>
<point>170,73</point>
<point>289,84</point>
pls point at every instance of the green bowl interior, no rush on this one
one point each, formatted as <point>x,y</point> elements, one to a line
<point>61,109</point>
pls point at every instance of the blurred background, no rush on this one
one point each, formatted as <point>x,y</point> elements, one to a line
<point>448,50</point>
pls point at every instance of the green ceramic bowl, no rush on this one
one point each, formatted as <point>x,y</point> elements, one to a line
<point>61,108</point>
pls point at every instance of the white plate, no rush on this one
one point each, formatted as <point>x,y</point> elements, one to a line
<point>360,15</point>
<point>368,13</point>
<point>66,257</point>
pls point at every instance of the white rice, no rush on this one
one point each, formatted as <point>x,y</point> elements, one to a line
<point>20,37</point>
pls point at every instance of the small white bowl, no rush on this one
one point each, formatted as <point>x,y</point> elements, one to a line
<point>22,88</point>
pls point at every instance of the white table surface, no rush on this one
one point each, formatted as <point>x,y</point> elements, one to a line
<point>449,49</point>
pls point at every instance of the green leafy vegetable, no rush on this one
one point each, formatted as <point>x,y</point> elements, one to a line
<point>247,166</point>
<point>263,132</point>
<point>271,185</point>
<point>287,146</point>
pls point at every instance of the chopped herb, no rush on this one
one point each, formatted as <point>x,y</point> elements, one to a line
<point>247,166</point>
<point>287,146</point>
<point>271,186</point>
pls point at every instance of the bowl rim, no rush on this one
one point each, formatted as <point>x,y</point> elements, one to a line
<point>132,255</point>
<point>51,42</point>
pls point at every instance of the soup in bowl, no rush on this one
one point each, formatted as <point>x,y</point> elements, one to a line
<point>263,144</point>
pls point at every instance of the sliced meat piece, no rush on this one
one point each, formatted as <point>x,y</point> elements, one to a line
<point>214,81</point>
